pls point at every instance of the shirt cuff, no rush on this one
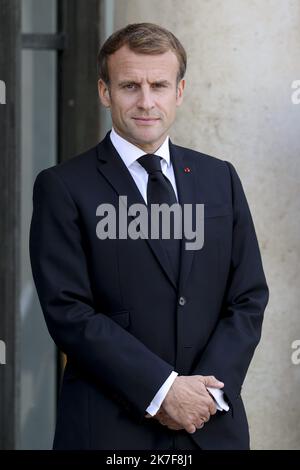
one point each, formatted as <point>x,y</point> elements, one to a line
<point>218,395</point>
<point>161,394</point>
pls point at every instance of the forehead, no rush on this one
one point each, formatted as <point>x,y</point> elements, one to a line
<point>125,63</point>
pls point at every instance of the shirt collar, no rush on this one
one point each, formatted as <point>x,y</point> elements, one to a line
<point>130,153</point>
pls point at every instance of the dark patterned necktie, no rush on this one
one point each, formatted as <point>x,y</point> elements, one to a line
<point>159,191</point>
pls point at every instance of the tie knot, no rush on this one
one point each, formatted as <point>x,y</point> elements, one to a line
<point>150,162</point>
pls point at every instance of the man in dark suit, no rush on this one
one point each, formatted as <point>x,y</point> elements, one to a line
<point>158,337</point>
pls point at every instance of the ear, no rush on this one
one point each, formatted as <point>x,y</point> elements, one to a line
<point>103,91</point>
<point>179,92</point>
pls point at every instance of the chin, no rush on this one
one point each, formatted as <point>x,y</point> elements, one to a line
<point>147,136</point>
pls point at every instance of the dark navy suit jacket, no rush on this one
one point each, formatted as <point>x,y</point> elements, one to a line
<point>114,308</point>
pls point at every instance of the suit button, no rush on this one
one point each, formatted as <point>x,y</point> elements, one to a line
<point>182,301</point>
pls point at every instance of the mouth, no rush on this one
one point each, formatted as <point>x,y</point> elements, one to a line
<point>145,121</point>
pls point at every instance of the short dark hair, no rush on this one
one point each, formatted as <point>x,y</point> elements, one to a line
<point>143,38</point>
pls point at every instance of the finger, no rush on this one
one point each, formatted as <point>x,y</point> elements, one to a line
<point>167,419</point>
<point>200,422</point>
<point>174,426</point>
<point>190,428</point>
<point>161,419</point>
<point>212,408</point>
<point>211,381</point>
<point>202,415</point>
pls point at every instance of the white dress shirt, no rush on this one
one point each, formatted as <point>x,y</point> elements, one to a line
<point>129,154</point>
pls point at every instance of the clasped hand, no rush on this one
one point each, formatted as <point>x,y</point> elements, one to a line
<point>188,404</point>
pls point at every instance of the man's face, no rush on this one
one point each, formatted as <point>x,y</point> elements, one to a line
<point>142,96</point>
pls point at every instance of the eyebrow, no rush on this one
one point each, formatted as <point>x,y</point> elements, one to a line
<point>133,82</point>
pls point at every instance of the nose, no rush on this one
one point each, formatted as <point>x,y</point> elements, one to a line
<point>145,100</point>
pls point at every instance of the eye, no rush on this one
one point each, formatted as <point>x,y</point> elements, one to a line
<point>159,85</point>
<point>129,86</point>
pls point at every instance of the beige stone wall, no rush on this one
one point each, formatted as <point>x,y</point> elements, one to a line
<point>243,57</point>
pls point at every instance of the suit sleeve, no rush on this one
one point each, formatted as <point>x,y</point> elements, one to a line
<point>230,348</point>
<point>92,340</point>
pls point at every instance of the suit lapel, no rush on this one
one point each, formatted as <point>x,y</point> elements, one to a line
<point>185,176</point>
<point>112,167</point>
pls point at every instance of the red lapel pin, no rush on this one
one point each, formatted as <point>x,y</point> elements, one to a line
<point>187,169</point>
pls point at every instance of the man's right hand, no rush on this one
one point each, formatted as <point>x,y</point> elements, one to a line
<point>188,402</point>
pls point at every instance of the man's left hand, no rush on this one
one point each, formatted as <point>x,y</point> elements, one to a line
<point>166,420</point>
